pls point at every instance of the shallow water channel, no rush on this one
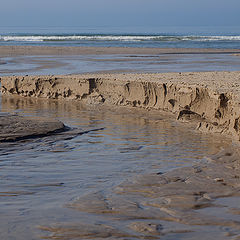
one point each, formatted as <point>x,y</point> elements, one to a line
<point>119,63</point>
<point>40,177</point>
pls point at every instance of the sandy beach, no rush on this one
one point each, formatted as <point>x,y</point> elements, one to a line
<point>120,120</point>
<point>158,204</point>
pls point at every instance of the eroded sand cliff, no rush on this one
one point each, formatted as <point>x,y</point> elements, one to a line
<point>211,98</point>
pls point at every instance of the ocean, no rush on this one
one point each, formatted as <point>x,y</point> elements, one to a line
<point>158,37</point>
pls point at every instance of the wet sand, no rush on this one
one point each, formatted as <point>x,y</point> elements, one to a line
<point>22,60</point>
<point>6,51</point>
<point>16,127</point>
<point>145,206</point>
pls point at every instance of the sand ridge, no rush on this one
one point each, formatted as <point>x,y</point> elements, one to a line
<point>6,51</point>
<point>209,98</point>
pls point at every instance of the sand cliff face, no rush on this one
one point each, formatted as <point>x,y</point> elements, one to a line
<point>210,98</point>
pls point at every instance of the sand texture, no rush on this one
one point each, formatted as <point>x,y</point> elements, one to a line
<point>209,98</point>
<point>151,206</point>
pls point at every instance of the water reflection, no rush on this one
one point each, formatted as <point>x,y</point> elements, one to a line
<point>39,177</point>
<point>75,64</point>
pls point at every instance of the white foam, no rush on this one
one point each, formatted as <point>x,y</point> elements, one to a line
<point>117,38</point>
<point>72,38</point>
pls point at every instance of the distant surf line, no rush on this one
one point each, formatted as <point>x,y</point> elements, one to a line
<point>123,38</point>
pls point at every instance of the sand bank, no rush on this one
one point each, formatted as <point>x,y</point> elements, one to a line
<point>210,98</point>
<point>6,51</point>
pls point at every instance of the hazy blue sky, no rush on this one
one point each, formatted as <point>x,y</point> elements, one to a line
<point>120,12</point>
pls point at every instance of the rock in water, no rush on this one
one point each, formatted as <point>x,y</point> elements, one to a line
<point>15,127</point>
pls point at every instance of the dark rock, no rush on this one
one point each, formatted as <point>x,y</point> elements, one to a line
<point>15,127</point>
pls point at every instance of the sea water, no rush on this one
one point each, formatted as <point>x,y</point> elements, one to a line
<point>161,37</point>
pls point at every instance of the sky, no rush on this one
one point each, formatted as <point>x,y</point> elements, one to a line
<point>93,13</point>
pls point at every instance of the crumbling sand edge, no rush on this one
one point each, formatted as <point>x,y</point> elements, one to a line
<point>210,98</point>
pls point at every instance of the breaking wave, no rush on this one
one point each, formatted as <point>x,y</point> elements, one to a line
<point>127,38</point>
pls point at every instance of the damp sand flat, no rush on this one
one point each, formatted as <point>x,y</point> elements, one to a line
<point>42,178</point>
<point>49,50</point>
<point>73,60</point>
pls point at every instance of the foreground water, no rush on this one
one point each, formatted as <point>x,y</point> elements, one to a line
<point>39,178</point>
